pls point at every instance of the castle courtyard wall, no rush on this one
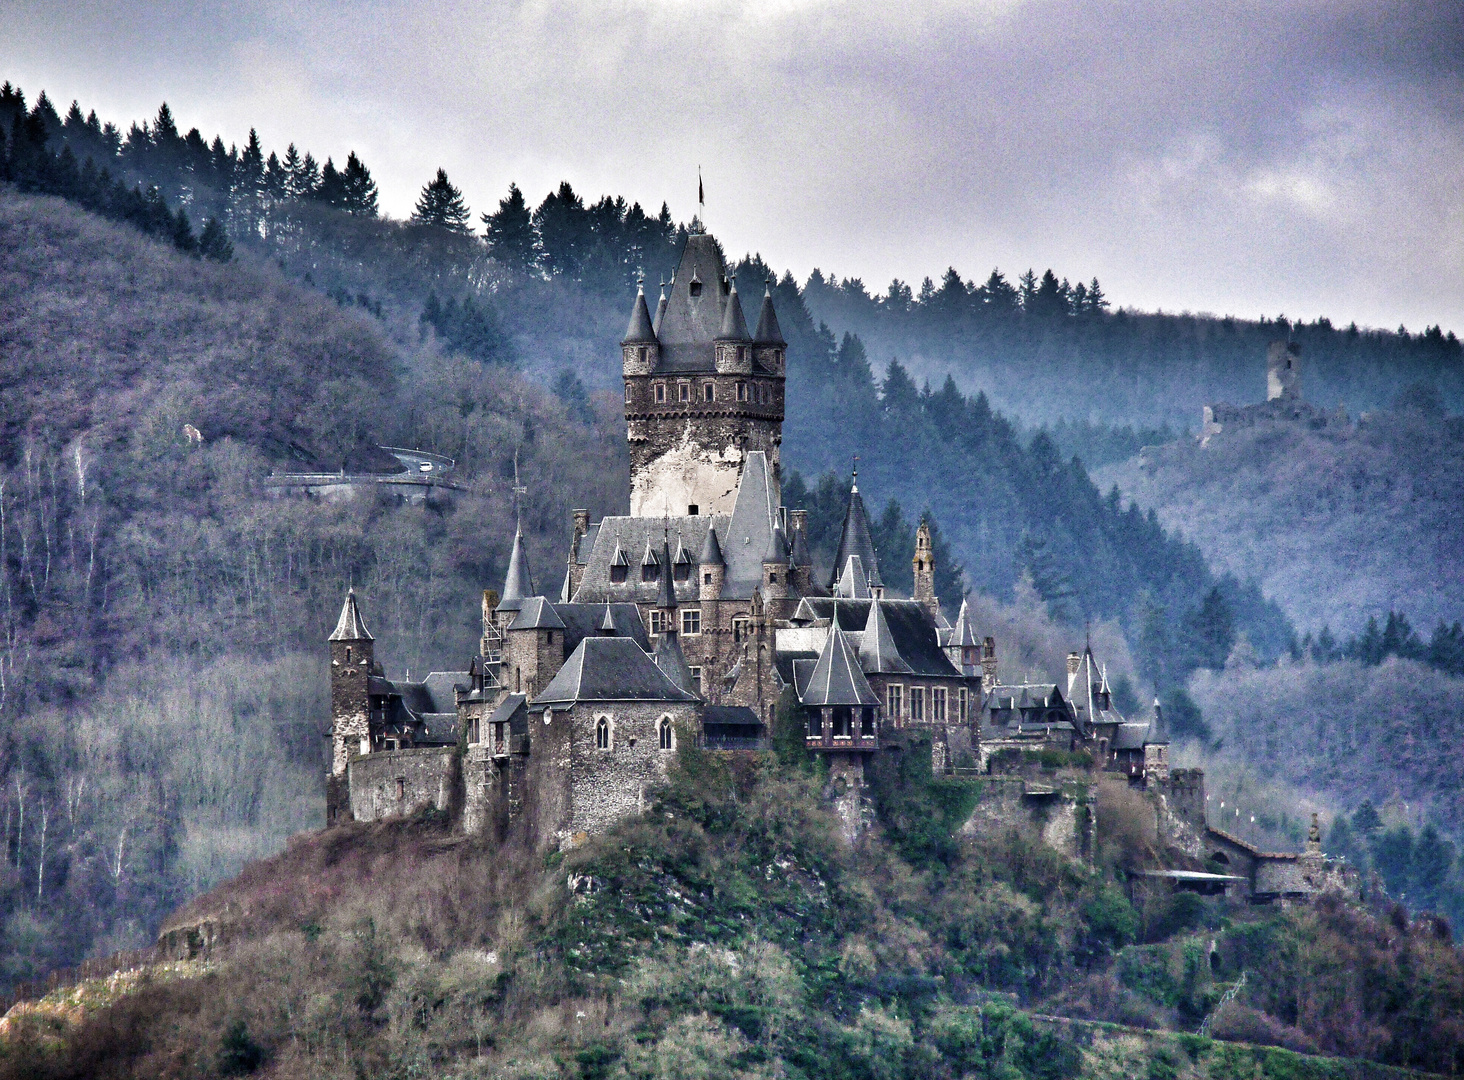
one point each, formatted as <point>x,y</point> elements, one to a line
<point>398,783</point>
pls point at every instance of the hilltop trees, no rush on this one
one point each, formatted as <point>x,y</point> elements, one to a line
<point>441,205</point>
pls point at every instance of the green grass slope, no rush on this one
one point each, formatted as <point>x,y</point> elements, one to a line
<point>729,933</point>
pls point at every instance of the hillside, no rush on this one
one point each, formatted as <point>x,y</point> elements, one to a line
<point>1336,525</point>
<point>729,933</point>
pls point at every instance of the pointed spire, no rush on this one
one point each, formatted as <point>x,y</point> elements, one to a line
<point>837,677</point>
<point>855,539</point>
<point>734,326</point>
<point>607,624</point>
<point>640,331</point>
<point>666,600</point>
<point>777,547</point>
<point>672,661</point>
<point>963,634</point>
<point>854,583</point>
<point>768,331</point>
<point>877,650</point>
<point>1157,735</point>
<point>350,626</point>
<point>801,557</point>
<point>660,311</point>
<point>711,552</point>
<point>618,556</point>
<point>518,584</point>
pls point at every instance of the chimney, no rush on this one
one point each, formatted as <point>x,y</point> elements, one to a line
<point>988,664</point>
<point>1074,665</point>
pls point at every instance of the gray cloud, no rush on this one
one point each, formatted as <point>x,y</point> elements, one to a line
<point>1295,157</point>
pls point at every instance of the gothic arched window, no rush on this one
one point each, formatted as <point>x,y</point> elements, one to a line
<point>667,737</point>
<point>602,734</point>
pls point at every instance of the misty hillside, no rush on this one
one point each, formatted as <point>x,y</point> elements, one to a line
<point>1337,525</point>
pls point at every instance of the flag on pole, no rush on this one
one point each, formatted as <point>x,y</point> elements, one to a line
<point>701,194</point>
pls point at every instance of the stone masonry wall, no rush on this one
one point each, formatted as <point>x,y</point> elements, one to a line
<point>396,783</point>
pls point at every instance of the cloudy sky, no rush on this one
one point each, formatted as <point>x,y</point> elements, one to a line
<point>1282,157</point>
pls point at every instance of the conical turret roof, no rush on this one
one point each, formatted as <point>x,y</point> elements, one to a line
<point>855,539</point>
<point>878,654</point>
<point>837,677</point>
<point>801,557</point>
<point>518,584</point>
<point>672,662</point>
<point>350,626</point>
<point>734,326</point>
<point>607,624</point>
<point>711,552</point>
<point>1157,735</point>
<point>640,331</point>
<point>963,634</point>
<point>660,311</point>
<point>777,547</point>
<point>768,331</point>
<point>854,584</point>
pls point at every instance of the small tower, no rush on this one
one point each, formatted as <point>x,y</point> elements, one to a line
<point>1283,371</point>
<point>988,664</point>
<point>855,540</point>
<point>1156,749</point>
<point>711,568</point>
<point>924,563</point>
<point>734,343</point>
<point>351,660</point>
<point>768,346</point>
<point>777,567</point>
<point>802,559</point>
<point>639,348</point>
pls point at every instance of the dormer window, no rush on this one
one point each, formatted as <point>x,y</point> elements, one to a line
<point>617,575</point>
<point>696,287</point>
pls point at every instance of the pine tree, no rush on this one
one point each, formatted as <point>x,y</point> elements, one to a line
<point>1097,302</point>
<point>360,189</point>
<point>441,205</point>
<point>276,177</point>
<point>213,242</point>
<point>510,231</point>
<point>291,166</point>
<point>332,189</point>
<point>1027,290</point>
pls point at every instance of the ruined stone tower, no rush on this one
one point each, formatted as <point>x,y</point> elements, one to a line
<point>351,660</point>
<point>924,567</point>
<point>701,392</point>
<point>1283,371</point>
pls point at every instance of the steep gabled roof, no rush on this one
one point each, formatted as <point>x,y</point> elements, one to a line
<point>1157,735</point>
<point>853,583</point>
<point>855,539</point>
<point>910,626</point>
<point>640,331</point>
<point>694,310</point>
<point>963,634</point>
<point>610,669</point>
<point>878,654</point>
<point>672,661</point>
<point>801,557</point>
<point>777,548</point>
<point>350,626</point>
<point>837,678</point>
<point>768,332</point>
<point>518,583</point>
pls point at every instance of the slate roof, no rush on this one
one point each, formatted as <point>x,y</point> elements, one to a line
<point>610,669</point>
<point>639,331</point>
<point>537,613</point>
<point>1129,736</point>
<point>836,678</point>
<point>350,626</point>
<point>911,630</point>
<point>1087,691</point>
<point>441,685</point>
<point>878,653</point>
<point>742,538</point>
<point>711,551</point>
<point>734,326</point>
<point>853,583</point>
<point>672,661</point>
<point>855,539</point>
<point>588,620</point>
<point>690,323</point>
<point>716,716</point>
<point>660,310</point>
<point>768,332</point>
<point>513,711</point>
<point>438,729</point>
<point>1158,734</point>
<point>518,583</point>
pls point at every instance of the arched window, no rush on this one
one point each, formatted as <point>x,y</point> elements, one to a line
<point>602,734</point>
<point>667,735</point>
<point>348,654</point>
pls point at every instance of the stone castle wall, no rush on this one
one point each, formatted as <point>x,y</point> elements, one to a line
<point>397,783</point>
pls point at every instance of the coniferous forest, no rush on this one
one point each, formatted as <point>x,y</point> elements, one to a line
<point>161,671</point>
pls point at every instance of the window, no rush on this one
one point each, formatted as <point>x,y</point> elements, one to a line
<point>473,730</point>
<point>668,734</point>
<point>696,678</point>
<point>683,391</point>
<point>602,734</point>
<point>772,577</point>
<point>691,620</point>
<point>843,722</point>
<point>707,578</point>
<point>709,392</point>
<point>961,704</point>
<point>401,787</point>
<point>650,572</point>
<point>815,724</point>
<point>660,392</point>
<point>742,391</point>
<point>938,703</point>
<point>696,287</point>
<point>762,393</point>
<point>917,703</point>
<point>742,354</point>
<point>518,680</point>
<point>617,574</point>
<point>658,622</point>
<point>642,354</point>
<point>348,654</point>
<point>692,510</point>
<point>741,629</point>
<point>866,722</point>
<point>627,393</point>
<point>682,571</point>
<point>897,701</point>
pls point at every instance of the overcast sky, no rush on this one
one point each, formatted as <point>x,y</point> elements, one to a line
<point>1278,157</point>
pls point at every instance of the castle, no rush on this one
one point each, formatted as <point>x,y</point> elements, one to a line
<point>700,616</point>
<point>1283,403</point>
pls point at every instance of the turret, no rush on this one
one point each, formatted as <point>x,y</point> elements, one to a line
<point>575,570</point>
<point>1156,749</point>
<point>1283,371</point>
<point>988,664</point>
<point>924,563</point>
<point>660,311</point>
<point>518,583</point>
<point>711,567</point>
<point>963,647</point>
<point>639,348</point>
<point>777,566</point>
<point>768,346</point>
<point>734,343</point>
<point>802,558</point>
